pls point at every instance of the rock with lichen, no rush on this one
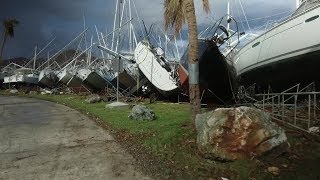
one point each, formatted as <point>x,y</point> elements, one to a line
<point>238,133</point>
<point>141,112</point>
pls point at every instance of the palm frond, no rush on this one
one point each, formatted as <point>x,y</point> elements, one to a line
<point>174,14</point>
<point>9,25</point>
<point>206,6</point>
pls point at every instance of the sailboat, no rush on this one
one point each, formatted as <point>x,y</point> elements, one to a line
<point>48,77</point>
<point>156,68</point>
<point>217,75</point>
<point>68,77</point>
<point>22,76</point>
<point>1,77</point>
<point>25,75</point>
<point>286,54</point>
<point>91,78</point>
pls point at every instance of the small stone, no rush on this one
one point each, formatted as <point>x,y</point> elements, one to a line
<point>141,112</point>
<point>273,170</point>
<point>33,92</point>
<point>314,129</point>
<point>93,98</point>
<point>14,91</point>
<point>117,105</point>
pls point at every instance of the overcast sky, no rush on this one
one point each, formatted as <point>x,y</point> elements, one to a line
<point>40,20</point>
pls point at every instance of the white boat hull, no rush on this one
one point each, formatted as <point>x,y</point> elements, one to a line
<point>70,80</point>
<point>17,78</point>
<point>47,78</point>
<point>283,52</point>
<point>92,79</point>
<point>153,71</point>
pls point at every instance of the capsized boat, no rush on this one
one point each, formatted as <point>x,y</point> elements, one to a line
<point>48,77</point>
<point>1,77</point>
<point>284,55</point>
<point>22,75</point>
<point>92,78</point>
<point>69,78</point>
<point>156,68</point>
<point>216,74</point>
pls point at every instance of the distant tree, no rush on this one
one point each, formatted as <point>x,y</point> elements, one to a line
<point>178,12</point>
<point>8,31</point>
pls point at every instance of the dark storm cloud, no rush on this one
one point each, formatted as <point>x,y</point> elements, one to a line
<point>40,20</point>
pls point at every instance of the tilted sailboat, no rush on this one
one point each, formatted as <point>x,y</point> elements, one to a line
<point>91,78</point>
<point>286,54</point>
<point>217,78</point>
<point>216,75</point>
<point>68,77</point>
<point>48,77</point>
<point>156,68</point>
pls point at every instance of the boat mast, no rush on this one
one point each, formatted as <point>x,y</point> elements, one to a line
<point>228,22</point>
<point>35,57</point>
<point>297,3</point>
<point>114,23</point>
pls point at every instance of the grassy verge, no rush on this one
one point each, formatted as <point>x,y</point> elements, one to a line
<point>166,147</point>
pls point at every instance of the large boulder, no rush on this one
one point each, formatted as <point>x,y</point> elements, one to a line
<point>238,133</point>
<point>93,98</point>
<point>141,112</point>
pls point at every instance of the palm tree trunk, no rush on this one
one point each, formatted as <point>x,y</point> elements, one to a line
<point>194,90</point>
<point>2,46</point>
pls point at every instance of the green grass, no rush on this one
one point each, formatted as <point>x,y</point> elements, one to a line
<point>172,138</point>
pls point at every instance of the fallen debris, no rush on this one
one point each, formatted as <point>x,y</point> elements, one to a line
<point>274,170</point>
<point>314,129</point>
<point>33,92</point>
<point>93,98</point>
<point>13,91</point>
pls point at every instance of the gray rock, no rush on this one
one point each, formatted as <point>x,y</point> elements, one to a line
<point>13,91</point>
<point>118,105</point>
<point>47,91</point>
<point>238,133</point>
<point>141,112</point>
<point>33,92</point>
<point>93,98</point>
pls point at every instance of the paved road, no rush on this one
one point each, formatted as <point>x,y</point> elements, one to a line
<point>44,140</point>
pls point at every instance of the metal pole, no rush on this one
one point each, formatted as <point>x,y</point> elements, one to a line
<point>295,109</point>
<point>272,105</point>
<point>283,107</point>
<point>118,68</point>
<point>314,106</point>
<point>35,57</point>
<point>263,102</point>
<point>130,29</point>
<point>309,110</point>
<point>279,105</point>
<point>114,23</point>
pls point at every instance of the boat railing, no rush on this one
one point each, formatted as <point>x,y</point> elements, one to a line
<point>224,36</point>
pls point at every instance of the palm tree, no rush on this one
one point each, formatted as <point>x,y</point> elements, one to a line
<point>9,25</point>
<point>176,13</point>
